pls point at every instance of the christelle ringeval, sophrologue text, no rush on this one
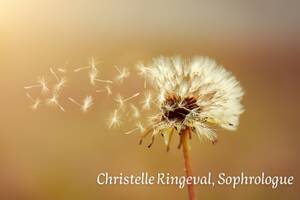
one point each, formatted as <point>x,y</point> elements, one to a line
<point>222,179</point>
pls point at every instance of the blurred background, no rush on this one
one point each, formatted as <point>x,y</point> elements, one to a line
<point>48,154</point>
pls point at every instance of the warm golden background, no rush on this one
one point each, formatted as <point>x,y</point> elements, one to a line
<point>48,154</point>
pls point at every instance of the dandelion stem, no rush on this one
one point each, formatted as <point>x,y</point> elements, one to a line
<point>184,136</point>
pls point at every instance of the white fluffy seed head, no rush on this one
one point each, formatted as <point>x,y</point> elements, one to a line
<point>197,94</point>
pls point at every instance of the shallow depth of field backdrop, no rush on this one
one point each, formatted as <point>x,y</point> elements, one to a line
<point>48,154</point>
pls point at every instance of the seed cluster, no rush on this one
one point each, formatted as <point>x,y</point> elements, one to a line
<point>176,108</point>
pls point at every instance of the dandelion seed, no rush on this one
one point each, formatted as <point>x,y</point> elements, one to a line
<point>60,85</point>
<point>147,101</point>
<point>42,83</point>
<point>114,119</point>
<point>54,101</point>
<point>93,75</point>
<point>195,95</point>
<point>87,103</point>
<point>121,100</point>
<point>139,127</point>
<point>123,74</point>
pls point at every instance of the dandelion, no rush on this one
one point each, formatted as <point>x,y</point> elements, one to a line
<point>42,83</point>
<point>123,73</point>
<point>87,103</point>
<point>36,102</point>
<point>54,101</point>
<point>142,71</point>
<point>193,97</point>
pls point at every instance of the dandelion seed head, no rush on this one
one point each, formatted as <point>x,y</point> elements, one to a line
<point>53,100</point>
<point>198,94</point>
